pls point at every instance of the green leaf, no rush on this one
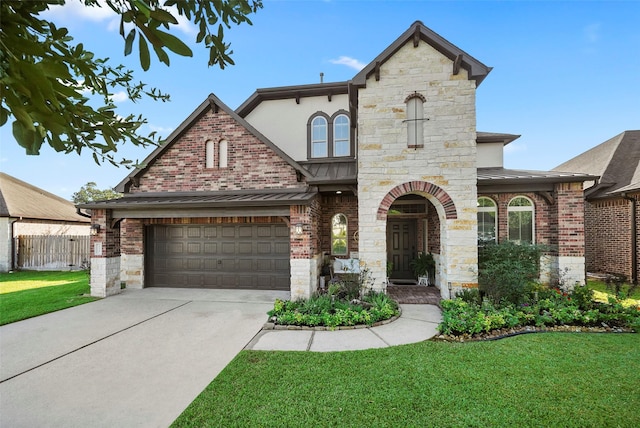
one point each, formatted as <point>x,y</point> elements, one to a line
<point>27,138</point>
<point>162,55</point>
<point>163,16</point>
<point>145,59</point>
<point>173,43</point>
<point>128,43</point>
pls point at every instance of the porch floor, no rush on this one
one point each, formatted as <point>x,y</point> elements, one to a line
<point>414,294</point>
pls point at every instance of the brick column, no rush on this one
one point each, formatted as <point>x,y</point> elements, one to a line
<point>305,255</point>
<point>571,242</point>
<point>132,253</point>
<point>105,255</point>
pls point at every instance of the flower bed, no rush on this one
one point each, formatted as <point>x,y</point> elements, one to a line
<point>329,311</point>
<point>470,316</point>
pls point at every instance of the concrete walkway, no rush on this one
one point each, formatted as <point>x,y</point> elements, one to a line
<point>417,323</point>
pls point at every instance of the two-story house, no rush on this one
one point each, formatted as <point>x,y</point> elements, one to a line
<point>377,168</point>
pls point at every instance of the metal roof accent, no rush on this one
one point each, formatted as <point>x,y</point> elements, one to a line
<point>515,176</point>
<point>334,172</point>
<point>204,200</point>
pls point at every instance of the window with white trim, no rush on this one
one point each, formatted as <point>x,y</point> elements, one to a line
<point>319,138</point>
<point>341,140</point>
<point>487,220</point>
<point>521,220</point>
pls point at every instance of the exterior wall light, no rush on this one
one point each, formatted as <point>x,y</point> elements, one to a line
<point>298,229</point>
<point>95,229</point>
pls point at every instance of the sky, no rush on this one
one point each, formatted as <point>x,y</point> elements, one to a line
<point>566,75</point>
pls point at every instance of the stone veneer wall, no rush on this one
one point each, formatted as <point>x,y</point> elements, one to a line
<point>105,256</point>
<point>447,160</point>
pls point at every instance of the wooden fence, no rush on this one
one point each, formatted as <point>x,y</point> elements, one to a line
<point>49,252</point>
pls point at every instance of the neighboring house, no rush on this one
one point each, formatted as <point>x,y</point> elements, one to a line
<point>377,168</point>
<point>29,210</point>
<point>612,204</point>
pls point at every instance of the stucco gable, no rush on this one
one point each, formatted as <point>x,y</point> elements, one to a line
<point>417,32</point>
<point>205,117</point>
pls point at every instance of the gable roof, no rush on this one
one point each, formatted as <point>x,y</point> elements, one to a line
<point>416,32</point>
<point>616,161</point>
<point>287,92</point>
<point>210,103</point>
<point>22,200</point>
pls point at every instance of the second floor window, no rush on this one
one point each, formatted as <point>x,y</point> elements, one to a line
<point>319,137</point>
<point>329,136</point>
<point>341,143</point>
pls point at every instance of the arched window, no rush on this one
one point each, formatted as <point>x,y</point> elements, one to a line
<point>521,220</point>
<point>341,140</point>
<point>319,137</point>
<point>339,235</point>
<point>223,151</point>
<point>209,153</point>
<point>415,120</point>
<point>487,220</point>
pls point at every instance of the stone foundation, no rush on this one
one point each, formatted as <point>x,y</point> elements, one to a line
<point>105,276</point>
<point>132,270</point>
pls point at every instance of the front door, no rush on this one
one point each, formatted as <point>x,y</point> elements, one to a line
<point>401,247</point>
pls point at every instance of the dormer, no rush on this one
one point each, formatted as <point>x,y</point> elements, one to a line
<point>490,148</point>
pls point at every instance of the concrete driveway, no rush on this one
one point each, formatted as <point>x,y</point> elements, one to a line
<point>132,360</point>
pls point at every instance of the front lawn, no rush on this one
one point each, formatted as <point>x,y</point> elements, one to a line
<point>534,380</point>
<point>28,294</point>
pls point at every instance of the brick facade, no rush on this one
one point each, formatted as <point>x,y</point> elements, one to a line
<point>608,227</point>
<point>339,204</point>
<point>251,164</point>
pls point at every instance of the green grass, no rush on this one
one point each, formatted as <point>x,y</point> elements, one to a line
<point>29,293</point>
<point>534,380</point>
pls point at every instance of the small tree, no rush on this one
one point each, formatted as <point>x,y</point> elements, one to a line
<point>90,193</point>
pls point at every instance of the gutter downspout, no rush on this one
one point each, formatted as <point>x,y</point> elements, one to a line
<point>81,213</point>
<point>634,235</point>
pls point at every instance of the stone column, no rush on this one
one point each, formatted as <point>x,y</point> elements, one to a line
<point>132,253</point>
<point>105,256</point>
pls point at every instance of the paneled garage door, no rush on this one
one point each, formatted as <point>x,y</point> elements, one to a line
<point>252,256</point>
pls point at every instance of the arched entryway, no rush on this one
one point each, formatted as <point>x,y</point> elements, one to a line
<point>415,214</point>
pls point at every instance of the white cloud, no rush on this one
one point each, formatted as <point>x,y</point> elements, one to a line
<point>119,97</point>
<point>349,62</point>
<point>161,129</point>
<point>75,9</point>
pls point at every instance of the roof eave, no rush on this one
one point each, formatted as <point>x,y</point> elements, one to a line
<point>477,70</point>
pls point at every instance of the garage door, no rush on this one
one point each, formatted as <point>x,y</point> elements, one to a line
<point>252,256</point>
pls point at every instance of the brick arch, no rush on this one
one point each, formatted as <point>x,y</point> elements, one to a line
<point>422,187</point>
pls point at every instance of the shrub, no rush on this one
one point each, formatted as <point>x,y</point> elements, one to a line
<point>546,307</point>
<point>508,271</point>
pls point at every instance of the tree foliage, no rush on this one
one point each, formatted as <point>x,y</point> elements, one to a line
<point>47,79</point>
<point>90,193</point>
